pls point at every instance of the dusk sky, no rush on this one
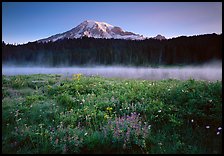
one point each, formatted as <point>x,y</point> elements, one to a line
<point>24,22</point>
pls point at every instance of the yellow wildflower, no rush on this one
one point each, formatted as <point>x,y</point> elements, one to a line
<point>77,76</point>
<point>109,109</point>
<point>106,116</point>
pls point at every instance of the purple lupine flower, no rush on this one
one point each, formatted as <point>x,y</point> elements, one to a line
<point>124,127</point>
<point>128,134</point>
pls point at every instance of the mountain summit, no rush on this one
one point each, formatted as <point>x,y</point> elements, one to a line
<point>90,28</point>
<point>160,37</point>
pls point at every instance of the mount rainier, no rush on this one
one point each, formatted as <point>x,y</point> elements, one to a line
<point>90,28</point>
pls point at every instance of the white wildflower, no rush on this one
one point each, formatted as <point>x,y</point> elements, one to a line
<point>207,127</point>
<point>159,111</point>
<point>192,120</point>
<point>218,133</point>
<point>219,128</point>
<point>19,119</point>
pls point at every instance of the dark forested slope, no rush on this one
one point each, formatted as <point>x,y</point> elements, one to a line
<point>176,51</point>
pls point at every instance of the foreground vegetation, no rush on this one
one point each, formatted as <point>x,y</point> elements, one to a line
<point>52,114</point>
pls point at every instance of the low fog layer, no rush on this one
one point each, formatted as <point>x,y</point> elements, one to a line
<point>212,72</point>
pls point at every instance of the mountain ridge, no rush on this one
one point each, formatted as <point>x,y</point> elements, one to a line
<point>91,28</point>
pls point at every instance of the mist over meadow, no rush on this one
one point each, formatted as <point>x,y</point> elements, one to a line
<point>197,57</point>
<point>211,71</point>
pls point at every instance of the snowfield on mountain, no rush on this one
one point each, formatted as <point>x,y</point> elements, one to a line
<point>90,28</point>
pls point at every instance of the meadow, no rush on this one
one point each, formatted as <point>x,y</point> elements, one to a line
<point>49,113</point>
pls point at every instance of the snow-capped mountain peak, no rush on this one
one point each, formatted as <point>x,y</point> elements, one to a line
<point>91,28</point>
<point>160,37</point>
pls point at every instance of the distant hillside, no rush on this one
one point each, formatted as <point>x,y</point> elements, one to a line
<point>84,51</point>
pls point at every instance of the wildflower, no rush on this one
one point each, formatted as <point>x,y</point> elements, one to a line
<point>160,144</point>
<point>106,116</point>
<point>159,111</point>
<point>19,119</point>
<point>64,149</point>
<point>112,99</point>
<point>149,126</point>
<point>109,109</point>
<point>41,125</point>
<point>192,120</point>
<point>124,146</point>
<point>85,134</point>
<point>219,128</point>
<point>210,101</point>
<point>207,127</point>
<point>77,76</point>
<point>17,113</point>
<point>56,141</point>
<point>218,133</point>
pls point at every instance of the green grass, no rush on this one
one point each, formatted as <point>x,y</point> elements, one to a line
<point>52,114</point>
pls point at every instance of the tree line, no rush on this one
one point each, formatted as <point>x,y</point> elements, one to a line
<point>182,50</point>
